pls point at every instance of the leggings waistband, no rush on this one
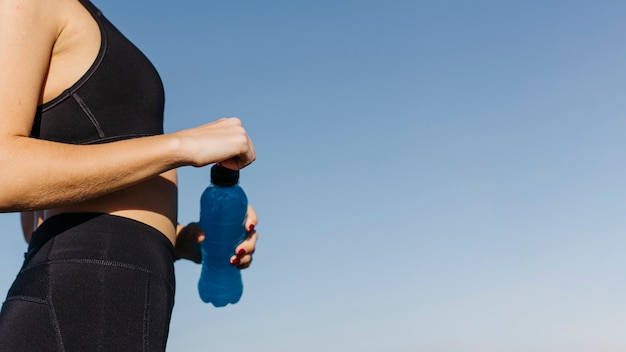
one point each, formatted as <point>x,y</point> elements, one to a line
<point>101,237</point>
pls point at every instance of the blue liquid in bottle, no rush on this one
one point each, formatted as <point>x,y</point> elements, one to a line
<point>223,208</point>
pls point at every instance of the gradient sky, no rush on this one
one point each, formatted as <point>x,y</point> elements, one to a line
<point>437,176</point>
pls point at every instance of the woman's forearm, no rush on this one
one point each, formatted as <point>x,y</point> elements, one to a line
<point>38,174</point>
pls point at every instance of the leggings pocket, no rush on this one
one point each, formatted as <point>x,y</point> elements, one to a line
<point>86,305</point>
<point>103,305</point>
<point>16,333</point>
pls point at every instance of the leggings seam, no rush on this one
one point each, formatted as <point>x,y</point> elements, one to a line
<point>27,299</point>
<point>146,316</point>
<point>53,318</point>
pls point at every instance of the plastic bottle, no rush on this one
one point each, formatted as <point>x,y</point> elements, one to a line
<point>223,208</point>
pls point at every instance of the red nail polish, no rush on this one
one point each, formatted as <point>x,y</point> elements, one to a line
<point>241,252</point>
<point>236,261</point>
<point>251,228</point>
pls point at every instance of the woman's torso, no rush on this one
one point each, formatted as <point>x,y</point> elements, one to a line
<point>153,202</point>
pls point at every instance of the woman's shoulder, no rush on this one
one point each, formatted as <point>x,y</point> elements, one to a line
<point>29,22</point>
<point>37,12</point>
<point>28,33</point>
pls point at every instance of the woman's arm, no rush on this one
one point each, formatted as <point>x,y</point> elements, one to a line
<point>38,174</point>
<point>28,224</point>
<point>30,221</point>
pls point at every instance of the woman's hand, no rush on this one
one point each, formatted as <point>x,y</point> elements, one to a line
<point>243,253</point>
<point>188,240</point>
<point>189,237</point>
<point>224,141</point>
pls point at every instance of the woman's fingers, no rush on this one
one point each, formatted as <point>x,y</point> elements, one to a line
<point>242,160</point>
<point>251,219</point>
<point>224,141</point>
<point>244,251</point>
<point>189,238</point>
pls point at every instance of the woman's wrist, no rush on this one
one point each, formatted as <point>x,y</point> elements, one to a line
<point>174,151</point>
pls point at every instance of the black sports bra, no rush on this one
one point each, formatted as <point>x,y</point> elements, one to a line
<point>120,97</point>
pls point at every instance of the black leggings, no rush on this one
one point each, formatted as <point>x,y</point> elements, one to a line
<point>91,282</point>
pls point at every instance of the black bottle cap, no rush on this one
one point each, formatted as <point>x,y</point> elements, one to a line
<point>221,176</point>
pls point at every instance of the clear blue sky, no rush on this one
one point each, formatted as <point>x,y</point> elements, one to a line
<point>432,175</point>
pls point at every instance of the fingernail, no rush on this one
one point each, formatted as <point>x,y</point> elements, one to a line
<point>235,261</point>
<point>241,252</point>
<point>251,228</point>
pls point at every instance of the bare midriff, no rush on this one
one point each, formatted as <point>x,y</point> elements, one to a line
<point>153,202</point>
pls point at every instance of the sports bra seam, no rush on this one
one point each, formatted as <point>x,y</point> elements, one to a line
<point>89,114</point>
<point>96,14</point>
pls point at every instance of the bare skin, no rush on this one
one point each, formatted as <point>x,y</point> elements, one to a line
<point>45,47</point>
